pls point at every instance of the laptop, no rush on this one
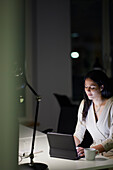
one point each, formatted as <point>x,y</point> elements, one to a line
<point>62,146</point>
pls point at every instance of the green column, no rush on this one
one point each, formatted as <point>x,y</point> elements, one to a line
<point>11,55</point>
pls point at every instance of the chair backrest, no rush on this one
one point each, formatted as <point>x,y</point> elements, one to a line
<point>68,115</point>
<point>63,100</point>
<point>67,120</point>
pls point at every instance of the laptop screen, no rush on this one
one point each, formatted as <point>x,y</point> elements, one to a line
<point>62,146</point>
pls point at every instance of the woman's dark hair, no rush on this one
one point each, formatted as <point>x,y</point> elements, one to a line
<point>100,78</point>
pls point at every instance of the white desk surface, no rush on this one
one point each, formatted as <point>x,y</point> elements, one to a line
<point>26,132</point>
<point>41,154</point>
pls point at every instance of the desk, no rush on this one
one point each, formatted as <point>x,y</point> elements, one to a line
<point>41,154</point>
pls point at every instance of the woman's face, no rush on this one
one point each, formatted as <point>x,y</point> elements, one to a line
<point>92,89</point>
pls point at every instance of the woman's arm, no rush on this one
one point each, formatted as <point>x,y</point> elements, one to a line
<point>80,126</point>
<point>77,141</point>
<point>99,147</point>
<point>80,130</point>
<point>107,144</point>
<point>80,150</point>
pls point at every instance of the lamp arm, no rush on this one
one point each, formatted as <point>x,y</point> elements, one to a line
<point>34,92</point>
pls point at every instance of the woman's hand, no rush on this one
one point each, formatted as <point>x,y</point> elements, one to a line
<point>80,151</point>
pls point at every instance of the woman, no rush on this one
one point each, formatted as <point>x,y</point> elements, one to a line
<point>96,113</point>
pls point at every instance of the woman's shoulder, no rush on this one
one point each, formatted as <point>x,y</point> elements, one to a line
<point>109,104</point>
<point>81,104</point>
<point>82,101</point>
<point>110,100</point>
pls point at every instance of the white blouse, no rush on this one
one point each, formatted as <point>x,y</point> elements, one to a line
<point>102,130</point>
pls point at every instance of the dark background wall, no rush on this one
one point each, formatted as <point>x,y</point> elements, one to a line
<point>53,31</point>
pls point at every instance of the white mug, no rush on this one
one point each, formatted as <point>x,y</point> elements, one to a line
<point>90,153</point>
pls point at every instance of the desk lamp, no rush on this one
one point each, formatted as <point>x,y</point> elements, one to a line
<point>32,165</point>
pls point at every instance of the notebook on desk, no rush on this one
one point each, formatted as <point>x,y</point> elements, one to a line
<point>62,146</point>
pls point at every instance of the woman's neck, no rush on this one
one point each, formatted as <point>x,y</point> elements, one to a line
<point>98,106</point>
<point>99,101</point>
